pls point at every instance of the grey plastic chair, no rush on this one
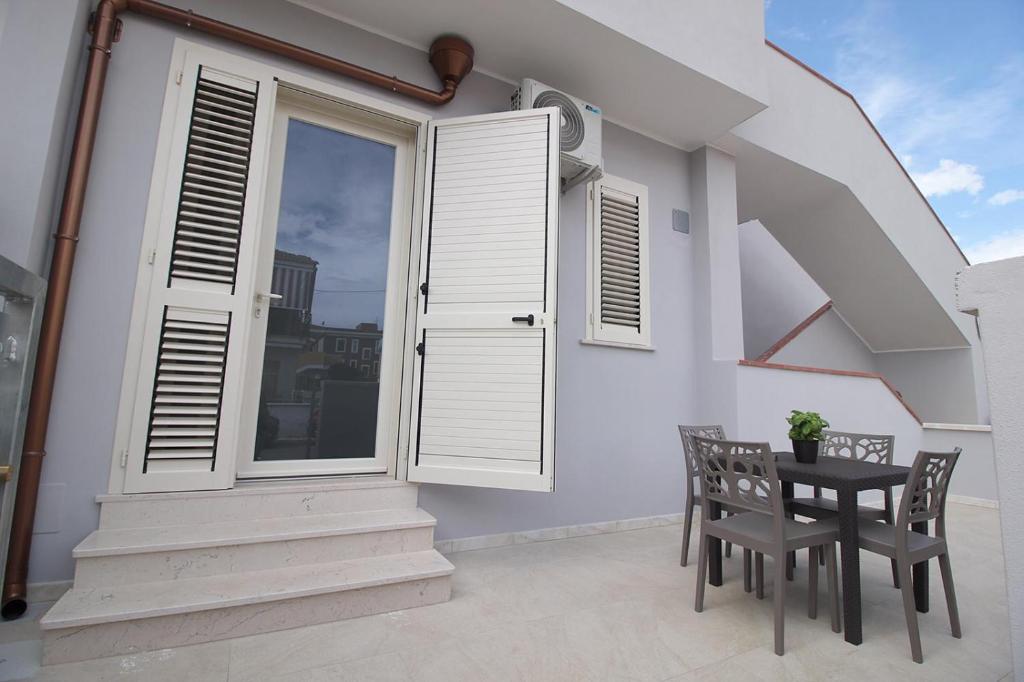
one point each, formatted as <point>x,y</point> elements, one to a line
<point>863,447</point>
<point>692,497</point>
<point>743,476</point>
<point>924,500</point>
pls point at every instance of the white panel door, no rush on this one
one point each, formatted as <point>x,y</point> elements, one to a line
<point>485,381</point>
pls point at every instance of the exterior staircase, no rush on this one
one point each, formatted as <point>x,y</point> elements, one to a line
<point>173,569</point>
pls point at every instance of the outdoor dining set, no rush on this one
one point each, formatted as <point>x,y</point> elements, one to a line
<point>746,494</point>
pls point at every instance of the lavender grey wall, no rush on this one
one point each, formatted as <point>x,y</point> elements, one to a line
<point>618,453</point>
<point>594,437</point>
<point>34,117</point>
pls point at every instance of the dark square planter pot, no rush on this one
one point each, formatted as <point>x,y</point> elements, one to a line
<point>806,451</point>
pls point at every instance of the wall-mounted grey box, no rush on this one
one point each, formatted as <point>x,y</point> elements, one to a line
<point>680,221</point>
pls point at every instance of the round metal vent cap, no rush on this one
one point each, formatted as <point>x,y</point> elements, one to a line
<point>572,120</point>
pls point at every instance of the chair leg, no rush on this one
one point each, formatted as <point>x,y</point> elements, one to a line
<point>833,586</point>
<point>812,582</point>
<point>759,574</point>
<point>947,585</point>
<point>746,570</point>
<point>728,545</point>
<point>910,610</point>
<point>687,527</point>
<point>889,520</point>
<point>780,604</point>
<point>702,573</point>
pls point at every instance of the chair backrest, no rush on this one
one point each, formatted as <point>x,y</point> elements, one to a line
<point>739,474</point>
<point>686,433</point>
<point>864,447</point>
<point>924,496</point>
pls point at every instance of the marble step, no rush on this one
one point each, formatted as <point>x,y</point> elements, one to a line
<point>263,500</point>
<point>121,556</point>
<point>96,622</point>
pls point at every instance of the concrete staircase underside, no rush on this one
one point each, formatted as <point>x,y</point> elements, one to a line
<point>172,569</point>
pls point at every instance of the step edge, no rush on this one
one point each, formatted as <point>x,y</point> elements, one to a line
<point>48,623</point>
<point>280,536</point>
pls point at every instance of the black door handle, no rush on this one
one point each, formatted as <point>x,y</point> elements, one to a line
<point>528,319</point>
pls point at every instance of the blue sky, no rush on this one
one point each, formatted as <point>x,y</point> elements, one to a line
<point>943,80</point>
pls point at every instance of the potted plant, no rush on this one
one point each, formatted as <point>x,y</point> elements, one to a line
<point>805,432</point>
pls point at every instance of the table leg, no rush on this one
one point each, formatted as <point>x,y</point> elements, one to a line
<point>714,548</point>
<point>849,542</point>
<point>788,494</point>
<point>921,573</point>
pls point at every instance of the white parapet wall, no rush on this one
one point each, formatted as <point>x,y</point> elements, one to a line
<point>861,402</point>
<point>974,481</point>
<point>994,292</point>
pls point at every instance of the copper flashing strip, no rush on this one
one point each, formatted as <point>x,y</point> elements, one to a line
<point>452,59</point>
<point>836,86</point>
<point>794,332</point>
<point>838,373</point>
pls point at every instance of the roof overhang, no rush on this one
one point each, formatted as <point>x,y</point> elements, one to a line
<point>637,86</point>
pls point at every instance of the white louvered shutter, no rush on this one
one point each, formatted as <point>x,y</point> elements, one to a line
<point>619,310</point>
<point>184,426</point>
<point>486,317</point>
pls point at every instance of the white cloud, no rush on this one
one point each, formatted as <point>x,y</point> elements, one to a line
<point>1007,196</point>
<point>948,177</point>
<point>1003,245</point>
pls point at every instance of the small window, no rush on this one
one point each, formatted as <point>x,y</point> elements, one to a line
<point>377,347</point>
<point>376,369</point>
<point>353,363</point>
<point>618,277</point>
<point>355,345</point>
<point>340,344</point>
<point>366,354</point>
<point>365,371</point>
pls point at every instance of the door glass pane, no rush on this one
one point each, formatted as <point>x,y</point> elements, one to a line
<point>321,369</point>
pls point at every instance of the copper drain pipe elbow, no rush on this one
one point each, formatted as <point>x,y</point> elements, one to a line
<point>452,60</point>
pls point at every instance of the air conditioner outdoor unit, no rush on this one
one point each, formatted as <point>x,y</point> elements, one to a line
<point>580,159</point>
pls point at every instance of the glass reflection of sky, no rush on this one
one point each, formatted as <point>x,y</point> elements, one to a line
<point>336,209</point>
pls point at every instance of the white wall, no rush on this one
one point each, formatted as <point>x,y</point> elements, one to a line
<point>994,291</point>
<point>974,480</point>
<point>827,342</point>
<point>723,40</point>
<point>778,294</point>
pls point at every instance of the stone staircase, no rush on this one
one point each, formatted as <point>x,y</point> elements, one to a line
<point>172,569</point>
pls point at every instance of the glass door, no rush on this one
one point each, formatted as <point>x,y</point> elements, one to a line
<point>328,319</point>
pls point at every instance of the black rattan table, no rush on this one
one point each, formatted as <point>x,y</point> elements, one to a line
<point>847,478</point>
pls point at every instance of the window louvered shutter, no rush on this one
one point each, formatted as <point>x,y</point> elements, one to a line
<point>618,233</point>
<point>485,380</point>
<point>184,427</point>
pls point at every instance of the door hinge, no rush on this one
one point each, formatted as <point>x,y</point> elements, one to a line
<point>124,458</point>
<point>152,257</point>
<point>420,348</point>
<point>423,288</point>
<point>178,77</point>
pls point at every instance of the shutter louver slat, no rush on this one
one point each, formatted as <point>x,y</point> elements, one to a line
<point>188,388</point>
<point>210,205</point>
<point>620,303</point>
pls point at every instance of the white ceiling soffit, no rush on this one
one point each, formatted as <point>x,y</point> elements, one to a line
<point>635,86</point>
<point>835,239</point>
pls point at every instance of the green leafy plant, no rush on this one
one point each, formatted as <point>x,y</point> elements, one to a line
<point>805,425</point>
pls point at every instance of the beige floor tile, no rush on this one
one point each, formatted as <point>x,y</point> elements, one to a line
<point>601,607</point>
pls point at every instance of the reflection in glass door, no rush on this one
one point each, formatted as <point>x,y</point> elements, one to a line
<point>326,319</point>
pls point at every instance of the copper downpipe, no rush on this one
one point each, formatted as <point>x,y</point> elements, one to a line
<point>452,59</point>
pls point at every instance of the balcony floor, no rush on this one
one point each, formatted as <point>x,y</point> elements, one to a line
<point>607,606</point>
